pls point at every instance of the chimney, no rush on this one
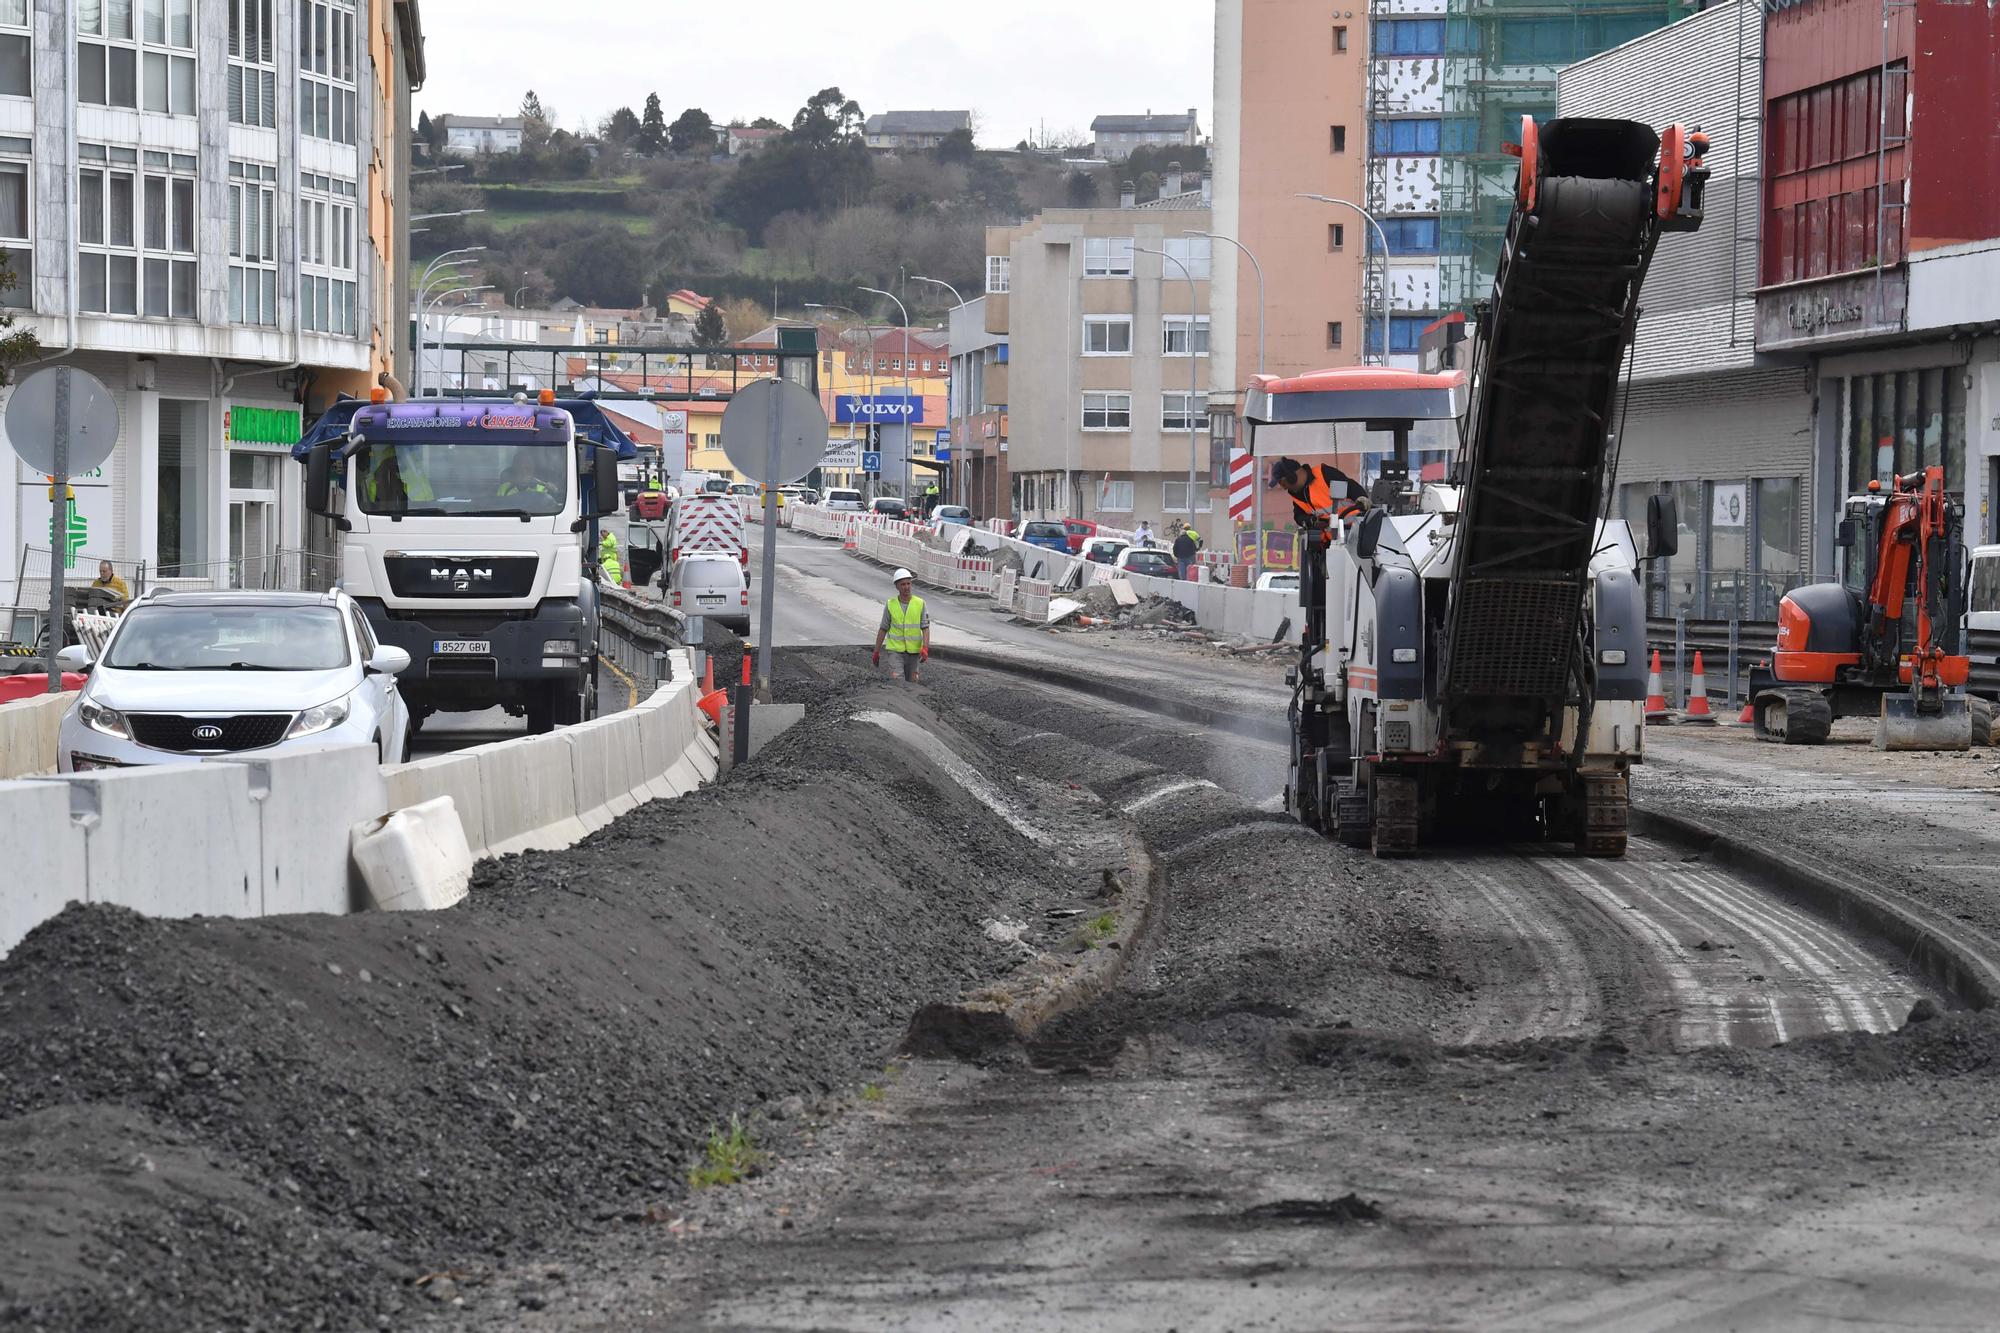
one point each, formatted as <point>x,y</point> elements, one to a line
<point>1128,194</point>
<point>1170,180</point>
<point>1207,189</point>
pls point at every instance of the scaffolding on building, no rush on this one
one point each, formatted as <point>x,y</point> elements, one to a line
<point>1501,59</point>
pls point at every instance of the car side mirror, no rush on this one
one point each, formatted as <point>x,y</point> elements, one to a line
<point>603,481</point>
<point>389,660</point>
<point>76,657</point>
<point>1663,527</point>
<point>1370,534</point>
<point>319,480</point>
<point>1845,535</point>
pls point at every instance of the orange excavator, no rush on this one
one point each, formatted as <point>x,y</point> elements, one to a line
<point>1886,642</point>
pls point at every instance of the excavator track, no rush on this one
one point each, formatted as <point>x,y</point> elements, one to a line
<point>1792,717</point>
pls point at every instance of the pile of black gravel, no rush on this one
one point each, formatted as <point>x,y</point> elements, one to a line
<point>284,1123</point>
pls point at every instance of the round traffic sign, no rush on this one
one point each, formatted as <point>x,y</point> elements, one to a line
<point>767,408</point>
<point>93,420</point>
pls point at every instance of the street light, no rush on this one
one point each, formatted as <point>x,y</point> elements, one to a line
<point>444,260</point>
<point>1256,490</point>
<point>958,473</point>
<point>909,425</point>
<point>1382,302</point>
<point>457,213</point>
<point>867,364</point>
<point>424,321</point>
<point>1194,365</point>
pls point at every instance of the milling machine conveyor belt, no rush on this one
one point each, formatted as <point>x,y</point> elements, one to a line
<point>1563,307</point>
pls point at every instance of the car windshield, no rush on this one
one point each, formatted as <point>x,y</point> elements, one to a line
<point>229,638</point>
<point>953,511</point>
<point>1145,560</point>
<point>464,480</point>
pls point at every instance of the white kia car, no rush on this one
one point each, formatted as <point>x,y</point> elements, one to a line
<point>192,675</point>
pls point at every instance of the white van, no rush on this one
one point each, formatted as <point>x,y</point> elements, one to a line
<point>1982,590</point>
<point>707,523</point>
<point>710,584</point>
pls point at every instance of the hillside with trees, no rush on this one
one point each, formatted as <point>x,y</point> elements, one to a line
<point>645,205</point>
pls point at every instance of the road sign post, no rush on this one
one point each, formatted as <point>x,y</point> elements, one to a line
<point>62,422</point>
<point>773,432</point>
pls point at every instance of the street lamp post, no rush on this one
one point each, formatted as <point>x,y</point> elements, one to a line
<point>957,472</point>
<point>1256,487</point>
<point>425,320</point>
<point>1382,302</point>
<point>444,260</point>
<point>867,364</point>
<point>909,424</point>
<point>1194,363</point>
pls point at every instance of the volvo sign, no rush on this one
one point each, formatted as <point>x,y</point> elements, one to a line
<point>878,409</point>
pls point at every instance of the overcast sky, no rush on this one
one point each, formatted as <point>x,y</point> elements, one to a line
<point>1014,65</point>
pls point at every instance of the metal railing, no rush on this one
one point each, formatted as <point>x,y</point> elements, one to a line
<point>1730,648</point>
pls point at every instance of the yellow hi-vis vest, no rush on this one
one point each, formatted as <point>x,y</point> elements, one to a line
<point>906,626</point>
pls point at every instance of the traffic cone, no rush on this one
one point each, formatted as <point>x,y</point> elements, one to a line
<point>1697,714</point>
<point>1656,696</point>
<point>707,674</point>
<point>1748,716</point>
<point>848,528</point>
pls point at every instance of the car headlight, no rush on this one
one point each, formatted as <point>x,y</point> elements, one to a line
<point>322,717</point>
<point>97,717</point>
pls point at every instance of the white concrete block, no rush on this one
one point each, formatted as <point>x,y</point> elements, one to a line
<point>28,734</point>
<point>604,766</point>
<point>305,801</point>
<point>530,791</point>
<point>415,859</point>
<point>454,775</point>
<point>43,853</point>
<point>174,841</point>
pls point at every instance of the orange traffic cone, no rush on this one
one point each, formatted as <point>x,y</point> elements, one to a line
<point>1697,714</point>
<point>1748,715</point>
<point>707,673</point>
<point>1656,697</point>
<point>711,704</point>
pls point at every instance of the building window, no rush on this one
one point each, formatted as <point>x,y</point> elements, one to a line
<point>253,244</point>
<point>1174,496</point>
<point>1174,411</point>
<point>1336,235</point>
<point>1114,497</point>
<point>253,73</point>
<point>997,273</point>
<point>182,488</point>
<point>135,59</point>
<point>16,40</point>
<point>1107,256</point>
<point>326,68</point>
<point>1409,37</point>
<point>1107,411</point>
<point>327,256</point>
<point>136,229</point>
<point>1107,335</point>
<point>1818,138</point>
<point>1339,38</point>
<point>1336,138</point>
<point>1192,252</point>
<point>1405,332</point>
<point>1333,333</point>
<point>1174,335</point>
<point>1407,138</point>
<point>1407,236</point>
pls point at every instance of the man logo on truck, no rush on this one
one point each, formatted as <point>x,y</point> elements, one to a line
<point>461,580</point>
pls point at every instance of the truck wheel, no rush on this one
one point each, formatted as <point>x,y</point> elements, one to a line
<point>541,709</point>
<point>566,705</point>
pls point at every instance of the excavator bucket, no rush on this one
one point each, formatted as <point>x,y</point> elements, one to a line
<point>1902,727</point>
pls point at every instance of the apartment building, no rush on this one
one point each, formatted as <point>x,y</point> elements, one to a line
<point>203,205</point>
<point>1104,317</point>
<point>976,418</point>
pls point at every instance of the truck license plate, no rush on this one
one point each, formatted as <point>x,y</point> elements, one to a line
<point>475,647</point>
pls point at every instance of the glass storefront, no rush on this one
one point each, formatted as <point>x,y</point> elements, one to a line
<point>1897,423</point>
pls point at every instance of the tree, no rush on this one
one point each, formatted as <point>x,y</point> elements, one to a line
<point>16,345</point>
<point>709,330</point>
<point>957,147</point>
<point>692,129</point>
<point>536,122</point>
<point>745,319</point>
<point>829,117</point>
<point>602,265</point>
<point>765,123</point>
<point>621,127</point>
<point>654,127</point>
<point>1080,188</point>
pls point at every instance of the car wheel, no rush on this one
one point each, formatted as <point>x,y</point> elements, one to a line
<point>381,754</point>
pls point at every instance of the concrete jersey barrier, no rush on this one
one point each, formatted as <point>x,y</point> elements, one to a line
<point>28,730</point>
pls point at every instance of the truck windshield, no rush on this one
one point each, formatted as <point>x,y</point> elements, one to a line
<point>462,480</point>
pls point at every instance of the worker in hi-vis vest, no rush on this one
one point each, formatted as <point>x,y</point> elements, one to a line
<point>607,558</point>
<point>906,628</point>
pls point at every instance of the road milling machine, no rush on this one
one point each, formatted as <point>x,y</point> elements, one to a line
<point>1474,651</point>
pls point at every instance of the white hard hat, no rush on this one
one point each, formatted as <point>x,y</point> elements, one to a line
<point>900,575</point>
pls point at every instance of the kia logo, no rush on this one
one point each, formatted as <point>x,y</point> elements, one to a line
<point>210,732</point>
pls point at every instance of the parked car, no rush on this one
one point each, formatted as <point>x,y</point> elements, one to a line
<point>1146,560</point>
<point>749,490</point>
<point>187,675</point>
<point>711,584</point>
<point>809,495</point>
<point>889,506</point>
<point>1102,550</point>
<point>1080,530</point>
<point>1046,533</point>
<point>945,514</point>
<point>839,497</point>
<point>1277,582</point>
